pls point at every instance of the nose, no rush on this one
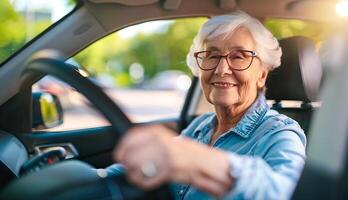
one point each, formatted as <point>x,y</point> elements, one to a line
<point>223,68</point>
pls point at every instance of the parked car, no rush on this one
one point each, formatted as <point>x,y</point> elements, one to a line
<point>170,80</point>
<point>59,164</point>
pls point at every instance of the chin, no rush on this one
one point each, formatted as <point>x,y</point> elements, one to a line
<point>224,103</point>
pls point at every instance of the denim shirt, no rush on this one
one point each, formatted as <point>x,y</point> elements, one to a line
<point>266,151</point>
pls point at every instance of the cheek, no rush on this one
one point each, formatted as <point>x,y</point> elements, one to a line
<point>242,77</point>
<point>204,81</point>
<point>248,83</point>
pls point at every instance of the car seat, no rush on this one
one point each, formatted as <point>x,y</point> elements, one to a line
<point>297,79</point>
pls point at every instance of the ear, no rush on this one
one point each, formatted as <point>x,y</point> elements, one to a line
<point>261,81</point>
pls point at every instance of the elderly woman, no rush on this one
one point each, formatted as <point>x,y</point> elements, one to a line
<point>244,150</point>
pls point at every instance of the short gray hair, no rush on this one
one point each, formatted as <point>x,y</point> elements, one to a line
<point>267,45</point>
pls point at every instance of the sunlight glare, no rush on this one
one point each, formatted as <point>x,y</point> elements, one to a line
<point>342,8</point>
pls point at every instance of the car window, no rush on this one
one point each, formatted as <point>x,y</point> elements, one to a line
<point>142,68</point>
<point>283,28</point>
<point>30,17</point>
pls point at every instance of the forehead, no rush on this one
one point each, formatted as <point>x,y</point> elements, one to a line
<point>241,38</point>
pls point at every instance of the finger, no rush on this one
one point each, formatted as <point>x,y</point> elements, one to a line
<point>137,159</point>
<point>136,136</point>
<point>136,155</point>
<point>139,136</point>
<point>131,141</point>
<point>136,176</point>
<point>152,182</point>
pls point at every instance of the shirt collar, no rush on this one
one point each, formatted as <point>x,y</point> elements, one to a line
<point>245,127</point>
<point>252,117</point>
<point>203,128</point>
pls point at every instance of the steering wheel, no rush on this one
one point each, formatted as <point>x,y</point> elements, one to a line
<point>75,179</point>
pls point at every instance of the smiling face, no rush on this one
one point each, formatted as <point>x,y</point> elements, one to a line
<point>226,87</point>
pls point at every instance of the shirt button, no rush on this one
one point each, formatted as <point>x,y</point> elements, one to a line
<point>181,192</point>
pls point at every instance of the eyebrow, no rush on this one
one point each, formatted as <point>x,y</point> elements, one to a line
<point>213,48</point>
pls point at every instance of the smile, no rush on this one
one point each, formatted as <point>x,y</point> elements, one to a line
<point>223,84</point>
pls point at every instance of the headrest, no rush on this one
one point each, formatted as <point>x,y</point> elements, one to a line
<point>298,78</point>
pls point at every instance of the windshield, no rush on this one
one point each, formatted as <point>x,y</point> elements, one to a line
<point>22,20</point>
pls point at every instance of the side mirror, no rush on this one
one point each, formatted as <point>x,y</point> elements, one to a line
<point>47,111</point>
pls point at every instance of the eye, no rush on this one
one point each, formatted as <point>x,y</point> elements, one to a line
<point>237,55</point>
<point>212,55</point>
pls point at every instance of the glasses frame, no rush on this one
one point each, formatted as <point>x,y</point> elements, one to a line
<point>253,54</point>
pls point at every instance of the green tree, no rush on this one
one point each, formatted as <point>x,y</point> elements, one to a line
<point>156,52</point>
<point>16,29</point>
<point>106,56</point>
<point>283,28</point>
<point>12,30</point>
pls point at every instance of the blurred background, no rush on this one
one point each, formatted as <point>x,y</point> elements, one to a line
<point>142,67</point>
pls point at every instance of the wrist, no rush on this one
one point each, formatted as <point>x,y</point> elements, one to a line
<point>221,161</point>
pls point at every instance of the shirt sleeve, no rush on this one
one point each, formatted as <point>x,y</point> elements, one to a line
<point>115,169</point>
<point>274,174</point>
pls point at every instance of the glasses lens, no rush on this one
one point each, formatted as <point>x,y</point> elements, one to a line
<point>237,59</point>
<point>208,59</point>
<point>240,59</point>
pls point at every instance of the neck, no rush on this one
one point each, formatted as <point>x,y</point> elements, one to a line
<point>229,116</point>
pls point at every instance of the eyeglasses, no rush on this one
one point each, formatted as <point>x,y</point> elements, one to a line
<point>237,59</point>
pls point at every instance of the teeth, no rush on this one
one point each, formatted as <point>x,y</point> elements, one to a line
<point>224,84</point>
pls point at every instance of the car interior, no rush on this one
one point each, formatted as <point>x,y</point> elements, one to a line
<point>298,79</point>
<point>64,164</point>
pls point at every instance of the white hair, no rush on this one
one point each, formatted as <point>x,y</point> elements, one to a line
<point>267,46</point>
